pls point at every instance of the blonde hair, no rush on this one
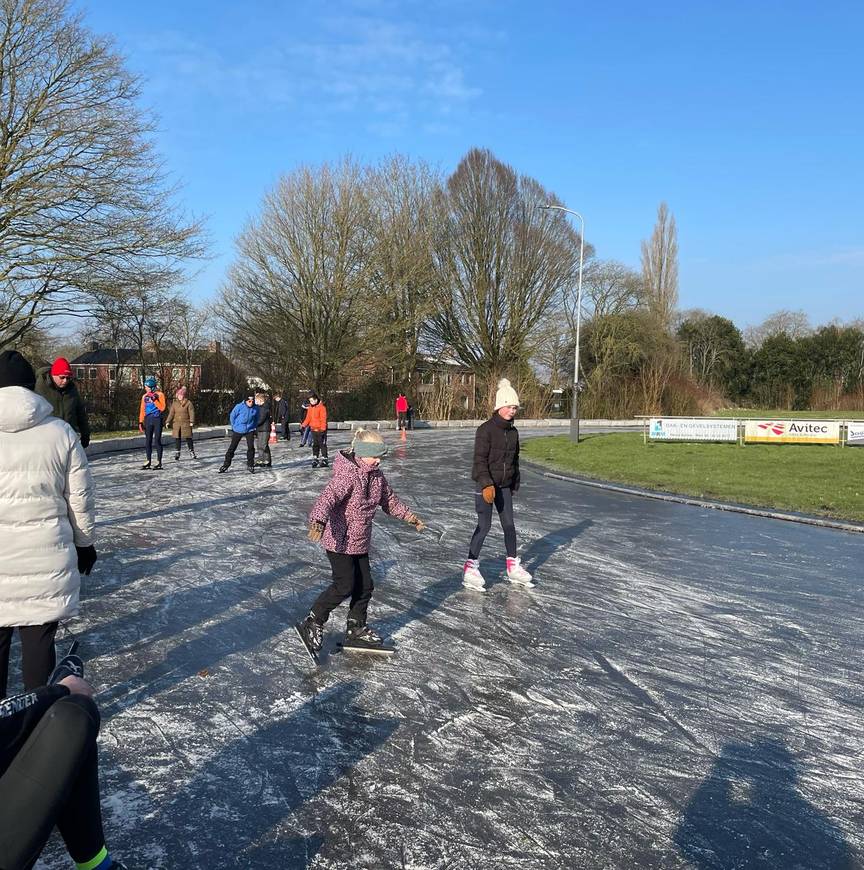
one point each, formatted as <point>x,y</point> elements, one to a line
<point>362,434</point>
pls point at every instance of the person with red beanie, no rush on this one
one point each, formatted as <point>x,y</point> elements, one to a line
<point>56,384</point>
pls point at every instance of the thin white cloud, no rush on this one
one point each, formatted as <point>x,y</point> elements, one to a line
<point>383,67</point>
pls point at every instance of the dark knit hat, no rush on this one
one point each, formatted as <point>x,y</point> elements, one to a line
<point>314,395</point>
<point>15,371</point>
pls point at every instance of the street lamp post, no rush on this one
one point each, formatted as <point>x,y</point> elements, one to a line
<point>574,414</point>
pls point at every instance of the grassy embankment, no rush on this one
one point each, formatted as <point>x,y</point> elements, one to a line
<point>117,433</point>
<point>813,479</point>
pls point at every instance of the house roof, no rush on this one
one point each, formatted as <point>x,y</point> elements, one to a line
<point>130,356</point>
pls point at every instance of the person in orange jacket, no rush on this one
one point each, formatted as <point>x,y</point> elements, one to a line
<point>316,420</point>
<point>150,421</point>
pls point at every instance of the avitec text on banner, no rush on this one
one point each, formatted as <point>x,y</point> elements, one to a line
<point>792,432</point>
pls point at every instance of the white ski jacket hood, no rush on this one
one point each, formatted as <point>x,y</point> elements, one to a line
<point>46,509</point>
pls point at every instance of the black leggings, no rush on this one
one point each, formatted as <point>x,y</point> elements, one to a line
<point>236,438</point>
<point>153,432</point>
<point>37,655</point>
<point>351,577</point>
<point>53,780</point>
<point>319,444</point>
<point>504,505</point>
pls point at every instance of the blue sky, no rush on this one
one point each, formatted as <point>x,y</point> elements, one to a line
<point>746,117</point>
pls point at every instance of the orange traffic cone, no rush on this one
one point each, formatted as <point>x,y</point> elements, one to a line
<point>273,438</point>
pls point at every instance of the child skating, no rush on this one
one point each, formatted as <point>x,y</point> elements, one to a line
<point>341,519</point>
<point>496,471</point>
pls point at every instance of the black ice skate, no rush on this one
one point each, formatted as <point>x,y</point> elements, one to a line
<point>325,462</point>
<point>223,469</point>
<point>146,466</point>
<point>314,463</point>
<point>157,466</point>
<point>362,638</point>
<point>192,454</point>
<point>177,456</point>
<point>251,469</point>
<point>311,633</point>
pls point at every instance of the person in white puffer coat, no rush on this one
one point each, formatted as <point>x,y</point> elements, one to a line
<point>47,519</point>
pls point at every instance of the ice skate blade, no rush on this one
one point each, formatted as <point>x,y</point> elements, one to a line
<point>520,585</point>
<point>383,650</point>
<point>473,588</point>
<point>306,646</point>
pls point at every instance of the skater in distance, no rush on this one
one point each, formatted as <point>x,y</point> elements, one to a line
<point>341,519</point>
<point>150,421</point>
<point>496,472</point>
<point>181,419</point>
<point>244,423</point>
<point>316,422</point>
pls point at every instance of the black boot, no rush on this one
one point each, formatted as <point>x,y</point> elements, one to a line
<point>146,466</point>
<point>251,469</point>
<point>359,632</point>
<point>177,456</point>
<point>223,469</point>
<point>157,466</point>
<point>314,463</point>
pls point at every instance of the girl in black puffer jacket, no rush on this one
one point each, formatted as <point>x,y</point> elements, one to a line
<point>496,471</point>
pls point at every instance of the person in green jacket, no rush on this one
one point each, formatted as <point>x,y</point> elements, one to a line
<point>57,385</point>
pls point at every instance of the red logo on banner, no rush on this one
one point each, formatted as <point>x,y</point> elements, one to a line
<point>776,428</point>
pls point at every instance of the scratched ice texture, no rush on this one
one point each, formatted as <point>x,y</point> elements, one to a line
<point>683,688</point>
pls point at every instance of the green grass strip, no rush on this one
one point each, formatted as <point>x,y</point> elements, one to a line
<point>822,480</point>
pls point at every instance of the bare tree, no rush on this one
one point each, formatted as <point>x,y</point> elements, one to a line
<point>660,268</point>
<point>795,324</point>
<point>83,201</point>
<point>609,287</point>
<point>189,329</point>
<point>504,263</point>
<point>403,221</point>
<point>298,293</point>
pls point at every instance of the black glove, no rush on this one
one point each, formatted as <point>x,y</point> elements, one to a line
<point>86,559</point>
<point>85,441</point>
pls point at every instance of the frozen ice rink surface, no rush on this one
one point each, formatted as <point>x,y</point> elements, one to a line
<point>682,689</point>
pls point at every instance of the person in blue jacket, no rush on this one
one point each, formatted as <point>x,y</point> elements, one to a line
<point>244,422</point>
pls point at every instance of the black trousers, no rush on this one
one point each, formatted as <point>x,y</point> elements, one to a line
<point>53,780</point>
<point>504,505</point>
<point>189,443</point>
<point>236,438</point>
<point>351,578</point>
<point>153,432</point>
<point>401,419</point>
<point>319,444</point>
<point>38,657</point>
<point>286,430</point>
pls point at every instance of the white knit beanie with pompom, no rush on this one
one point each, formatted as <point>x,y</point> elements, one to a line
<point>506,395</point>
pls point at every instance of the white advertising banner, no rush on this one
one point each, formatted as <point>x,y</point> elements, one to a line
<point>855,434</point>
<point>692,429</point>
<point>792,432</point>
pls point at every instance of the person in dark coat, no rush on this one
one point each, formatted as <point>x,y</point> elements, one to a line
<point>282,415</point>
<point>262,437</point>
<point>57,385</point>
<point>496,471</point>
<point>49,773</point>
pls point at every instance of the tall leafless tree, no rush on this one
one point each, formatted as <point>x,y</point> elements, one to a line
<point>403,199</point>
<point>504,263</point>
<point>83,200</point>
<point>298,293</point>
<point>660,268</point>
